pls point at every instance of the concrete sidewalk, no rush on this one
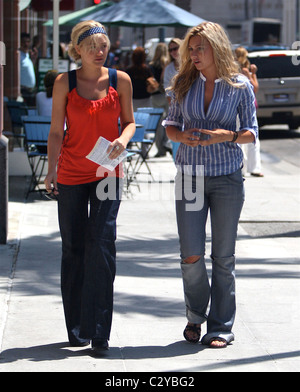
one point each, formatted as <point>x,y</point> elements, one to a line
<point>149,314</point>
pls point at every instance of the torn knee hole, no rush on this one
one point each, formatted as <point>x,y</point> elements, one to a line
<point>191,259</point>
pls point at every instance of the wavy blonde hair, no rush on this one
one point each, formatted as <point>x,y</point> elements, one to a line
<point>176,41</point>
<point>160,58</point>
<point>79,29</point>
<point>241,54</point>
<point>227,67</point>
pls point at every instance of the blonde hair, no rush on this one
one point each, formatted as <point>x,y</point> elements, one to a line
<point>176,41</point>
<point>226,66</point>
<point>79,29</point>
<point>160,58</point>
<point>241,54</point>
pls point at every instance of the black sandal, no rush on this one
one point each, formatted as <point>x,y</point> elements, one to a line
<point>192,328</point>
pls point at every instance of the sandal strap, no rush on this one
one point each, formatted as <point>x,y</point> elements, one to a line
<point>193,328</point>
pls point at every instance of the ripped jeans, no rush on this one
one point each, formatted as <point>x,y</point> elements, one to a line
<point>224,197</point>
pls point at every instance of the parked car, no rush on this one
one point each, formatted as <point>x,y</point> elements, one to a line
<point>259,48</point>
<point>278,96</point>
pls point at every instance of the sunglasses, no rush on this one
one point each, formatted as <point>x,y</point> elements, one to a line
<point>173,49</point>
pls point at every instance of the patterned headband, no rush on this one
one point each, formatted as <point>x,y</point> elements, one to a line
<point>92,31</point>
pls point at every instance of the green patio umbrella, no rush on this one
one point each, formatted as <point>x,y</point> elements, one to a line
<point>145,13</point>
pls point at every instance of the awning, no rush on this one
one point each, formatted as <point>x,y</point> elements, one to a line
<point>23,4</point>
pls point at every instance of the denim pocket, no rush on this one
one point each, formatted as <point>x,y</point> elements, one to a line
<point>236,177</point>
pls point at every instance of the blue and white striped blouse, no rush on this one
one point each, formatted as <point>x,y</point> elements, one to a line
<point>227,102</point>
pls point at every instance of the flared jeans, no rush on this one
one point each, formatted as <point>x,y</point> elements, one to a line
<point>87,220</point>
<point>213,301</point>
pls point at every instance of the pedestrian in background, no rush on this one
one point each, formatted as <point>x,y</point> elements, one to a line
<point>158,98</point>
<point>209,161</point>
<point>44,98</point>
<point>27,76</point>
<point>139,72</point>
<point>173,65</point>
<point>251,151</point>
<point>170,71</point>
<point>91,99</point>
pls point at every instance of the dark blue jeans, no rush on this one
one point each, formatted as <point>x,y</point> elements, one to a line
<point>88,232</point>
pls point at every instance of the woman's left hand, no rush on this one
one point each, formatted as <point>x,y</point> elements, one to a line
<point>216,136</point>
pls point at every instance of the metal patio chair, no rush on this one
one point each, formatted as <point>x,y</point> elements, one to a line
<point>138,142</point>
<point>156,115</point>
<point>16,111</point>
<point>36,138</point>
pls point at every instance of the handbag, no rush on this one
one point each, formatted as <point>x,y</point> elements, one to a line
<point>152,85</point>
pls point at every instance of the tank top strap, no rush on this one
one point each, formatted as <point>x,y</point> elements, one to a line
<point>72,79</point>
<point>113,78</point>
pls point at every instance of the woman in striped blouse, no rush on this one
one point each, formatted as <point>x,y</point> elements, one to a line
<point>208,95</point>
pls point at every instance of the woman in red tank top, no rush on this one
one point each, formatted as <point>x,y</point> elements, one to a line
<point>90,100</point>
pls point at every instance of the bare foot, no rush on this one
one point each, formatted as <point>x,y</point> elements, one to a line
<point>218,343</point>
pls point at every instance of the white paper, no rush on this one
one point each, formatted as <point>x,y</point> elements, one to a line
<point>100,156</point>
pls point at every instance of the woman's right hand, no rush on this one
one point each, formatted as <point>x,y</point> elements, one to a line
<point>51,182</point>
<point>190,137</point>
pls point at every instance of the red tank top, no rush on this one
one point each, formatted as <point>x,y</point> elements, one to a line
<point>87,120</point>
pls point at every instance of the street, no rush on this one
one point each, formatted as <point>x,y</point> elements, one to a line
<point>278,141</point>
